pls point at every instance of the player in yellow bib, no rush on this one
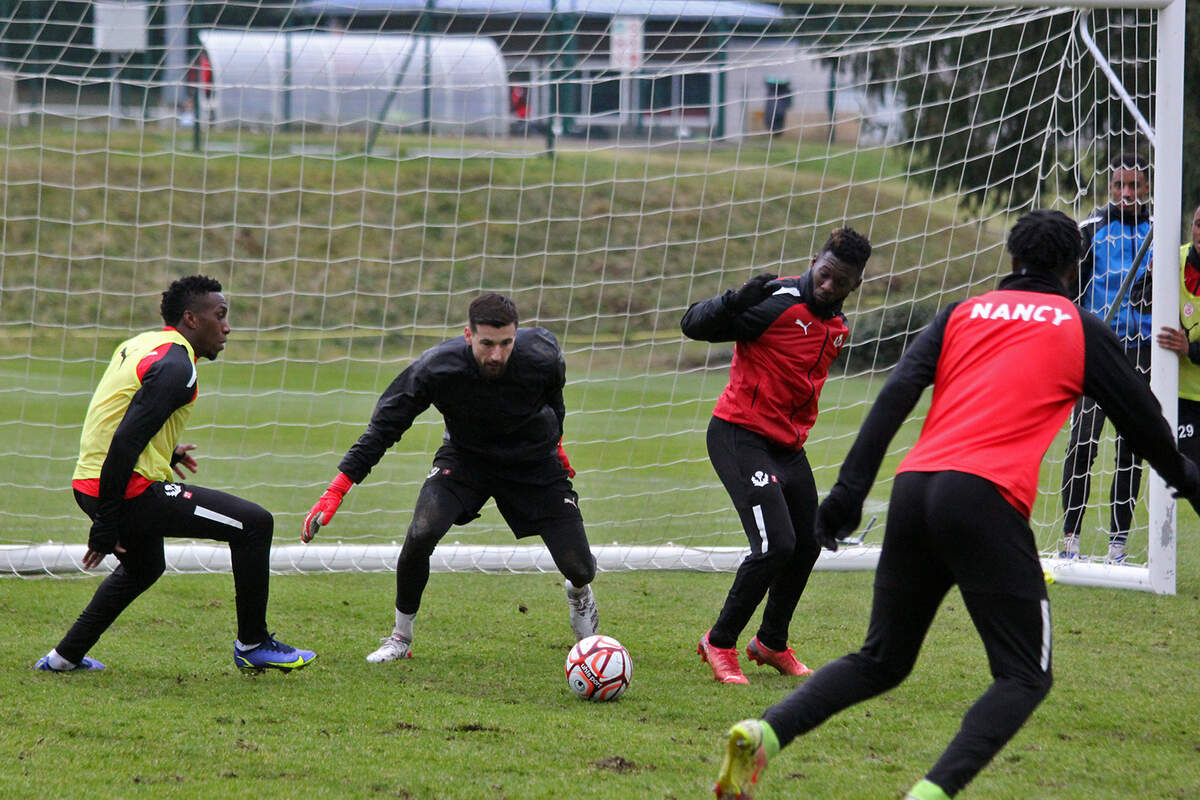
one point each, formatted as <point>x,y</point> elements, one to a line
<point>123,481</point>
<point>1184,341</point>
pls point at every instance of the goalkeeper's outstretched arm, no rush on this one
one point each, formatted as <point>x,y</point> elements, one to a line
<point>406,397</point>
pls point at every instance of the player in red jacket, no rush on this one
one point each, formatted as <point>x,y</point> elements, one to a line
<point>1007,367</point>
<point>787,333</point>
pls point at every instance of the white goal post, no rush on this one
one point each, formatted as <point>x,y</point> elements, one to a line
<point>355,172</point>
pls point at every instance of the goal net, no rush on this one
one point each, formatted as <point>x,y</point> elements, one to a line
<point>354,173</point>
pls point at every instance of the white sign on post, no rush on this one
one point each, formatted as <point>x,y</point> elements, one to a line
<point>625,44</point>
<point>120,30</point>
<point>120,27</point>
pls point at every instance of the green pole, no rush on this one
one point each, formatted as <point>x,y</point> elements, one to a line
<point>552,75</point>
<point>401,74</point>
<point>572,99</point>
<point>831,99</point>
<point>426,24</point>
<point>723,29</point>
<point>193,41</point>
<point>387,102</point>
<point>287,80</point>
<point>6,14</point>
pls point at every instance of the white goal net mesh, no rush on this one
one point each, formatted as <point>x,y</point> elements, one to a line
<point>355,173</point>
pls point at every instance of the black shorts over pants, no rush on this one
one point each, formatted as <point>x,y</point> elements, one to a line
<point>534,499</point>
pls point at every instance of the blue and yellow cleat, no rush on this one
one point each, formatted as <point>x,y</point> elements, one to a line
<point>272,654</point>
<point>745,758</point>
<point>85,665</point>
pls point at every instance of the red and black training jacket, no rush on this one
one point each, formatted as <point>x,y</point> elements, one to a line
<point>1007,366</point>
<point>784,347</point>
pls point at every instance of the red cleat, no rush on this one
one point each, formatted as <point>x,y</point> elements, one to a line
<point>723,660</point>
<point>783,660</point>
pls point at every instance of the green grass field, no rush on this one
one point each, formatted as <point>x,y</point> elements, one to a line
<point>483,709</point>
<point>308,245</point>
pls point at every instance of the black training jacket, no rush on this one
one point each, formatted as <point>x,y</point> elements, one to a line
<point>514,419</point>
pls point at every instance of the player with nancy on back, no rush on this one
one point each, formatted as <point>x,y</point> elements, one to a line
<point>122,481</point>
<point>1006,366</point>
<point>500,392</point>
<point>787,332</point>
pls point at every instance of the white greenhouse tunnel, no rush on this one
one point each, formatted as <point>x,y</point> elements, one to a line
<point>346,78</point>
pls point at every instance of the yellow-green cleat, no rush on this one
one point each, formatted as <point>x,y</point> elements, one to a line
<point>926,790</point>
<point>745,757</point>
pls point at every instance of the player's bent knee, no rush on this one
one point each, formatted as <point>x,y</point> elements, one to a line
<point>145,573</point>
<point>1036,684</point>
<point>576,565</point>
<point>579,574</point>
<point>260,521</point>
<point>778,557</point>
<point>807,551</point>
<point>889,676</point>
<point>419,542</point>
<point>883,673</point>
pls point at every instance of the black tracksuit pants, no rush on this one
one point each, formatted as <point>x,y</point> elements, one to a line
<point>945,528</point>
<point>187,511</point>
<point>1087,424</point>
<point>774,494</point>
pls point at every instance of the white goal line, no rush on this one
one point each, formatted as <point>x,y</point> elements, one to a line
<point>57,558</point>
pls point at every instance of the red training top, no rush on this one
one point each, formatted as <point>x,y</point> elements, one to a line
<point>994,347</point>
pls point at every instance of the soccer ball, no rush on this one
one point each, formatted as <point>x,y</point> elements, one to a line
<point>599,668</point>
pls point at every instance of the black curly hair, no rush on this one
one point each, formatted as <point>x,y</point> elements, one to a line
<point>1129,160</point>
<point>850,246</point>
<point>182,295</point>
<point>1046,240</point>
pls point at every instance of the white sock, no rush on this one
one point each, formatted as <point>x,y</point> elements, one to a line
<point>576,592</point>
<point>404,625</point>
<point>60,663</point>
<point>244,647</point>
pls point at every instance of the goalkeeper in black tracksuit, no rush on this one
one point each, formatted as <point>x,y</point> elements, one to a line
<point>499,390</point>
<point>1006,367</point>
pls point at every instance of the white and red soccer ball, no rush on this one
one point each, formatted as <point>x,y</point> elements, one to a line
<point>599,668</point>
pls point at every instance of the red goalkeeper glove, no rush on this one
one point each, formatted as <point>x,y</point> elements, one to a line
<point>325,507</point>
<point>566,462</point>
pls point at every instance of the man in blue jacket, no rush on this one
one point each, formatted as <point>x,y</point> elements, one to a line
<point>1112,236</point>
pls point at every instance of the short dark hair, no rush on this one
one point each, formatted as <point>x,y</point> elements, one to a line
<point>1128,160</point>
<point>182,295</point>
<point>1047,240</point>
<point>493,310</point>
<point>850,246</point>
